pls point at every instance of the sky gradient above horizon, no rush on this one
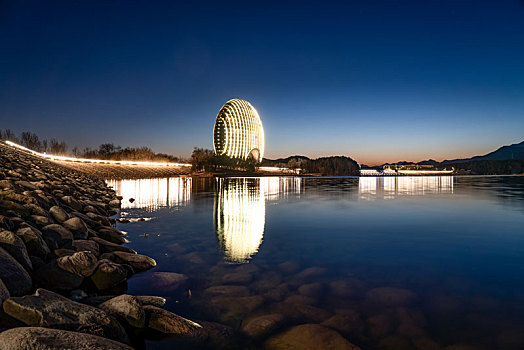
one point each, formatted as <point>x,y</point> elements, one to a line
<point>379,81</point>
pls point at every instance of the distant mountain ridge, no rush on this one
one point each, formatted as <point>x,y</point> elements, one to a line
<point>511,152</point>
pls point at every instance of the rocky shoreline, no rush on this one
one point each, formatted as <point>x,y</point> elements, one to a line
<point>63,268</point>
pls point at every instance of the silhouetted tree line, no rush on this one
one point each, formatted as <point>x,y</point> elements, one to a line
<point>111,152</point>
<point>32,141</point>
<point>331,166</point>
<point>105,151</point>
<point>491,167</point>
<point>207,160</point>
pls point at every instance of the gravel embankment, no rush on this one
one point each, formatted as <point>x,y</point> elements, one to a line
<point>63,267</point>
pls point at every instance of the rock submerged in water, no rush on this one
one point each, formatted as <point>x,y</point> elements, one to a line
<point>309,337</point>
<point>48,309</point>
<point>262,326</point>
<point>39,338</point>
<point>390,296</point>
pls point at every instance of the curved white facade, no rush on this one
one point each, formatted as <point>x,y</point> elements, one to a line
<point>238,131</point>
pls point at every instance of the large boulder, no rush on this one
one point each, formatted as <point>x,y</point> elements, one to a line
<point>15,246</point>
<point>80,263</point>
<point>34,242</point>
<point>48,309</point>
<point>108,274</point>
<point>77,226</point>
<point>167,323</point>
<point>309,337</point>
<point>125,308</point>
<point>14,276</point>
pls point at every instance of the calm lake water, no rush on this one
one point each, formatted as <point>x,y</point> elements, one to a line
<point>321,250</point>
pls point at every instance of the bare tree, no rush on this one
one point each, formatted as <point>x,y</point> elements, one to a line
<point>44,146</point>
<point>56,147</point>
<point>9,135</point>
<point>30,140</point>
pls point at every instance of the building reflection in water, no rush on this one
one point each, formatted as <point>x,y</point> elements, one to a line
<point>240,210</point>
<point>389,187</point>
<point>151,194</point>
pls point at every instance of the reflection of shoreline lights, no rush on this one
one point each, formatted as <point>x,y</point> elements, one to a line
<point>151,194</point>
<point>391,187</point>
<point>240,212</point>
<point>87,160</point>
<point>240,217</point>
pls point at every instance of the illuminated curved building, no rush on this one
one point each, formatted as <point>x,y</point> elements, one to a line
<point>238,131</point>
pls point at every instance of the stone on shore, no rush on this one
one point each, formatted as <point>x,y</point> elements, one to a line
<point>40,338</point>
<point>139,262</point>
<point>15,246</point>
<point>72,202</point>
<point>52,276</point>
<point>127,309</point>
<point>4,292</point>
<point>56,236</point>
<point>108,247</point>
<point>34,242</point>
<point>167,323</point>
<point>151,300</point>
<point>108,274</point>
<point>77,226</point>
<point>58,214</point>
<point>110,234</point>
<point>14,276</point>
<point>309,337</point>
<point>80,263</point>
<point>48,309</point>
<point>86,245</point>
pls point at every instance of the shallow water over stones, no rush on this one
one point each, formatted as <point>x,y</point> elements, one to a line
<point>378,263</point>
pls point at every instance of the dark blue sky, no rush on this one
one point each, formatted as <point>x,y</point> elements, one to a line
<point>374,80</point>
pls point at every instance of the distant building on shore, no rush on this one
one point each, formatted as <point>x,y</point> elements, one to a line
<point>238,131</point>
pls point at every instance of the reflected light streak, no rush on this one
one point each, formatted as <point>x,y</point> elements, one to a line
<point>87,160</point>
<point>240,210</point>
<point>151,194</point>
<point>392,187</point>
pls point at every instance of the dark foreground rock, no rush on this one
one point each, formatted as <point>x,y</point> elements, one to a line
<point>14,276</point>
<point>48,309</point>
<point>39,338</point>
<point>167,323</point>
